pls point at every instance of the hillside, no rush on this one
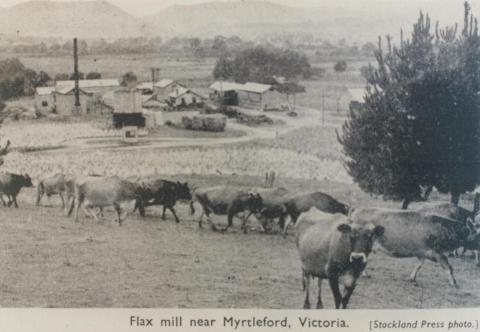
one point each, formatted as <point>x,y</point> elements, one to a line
<point>328,19</point>
<point>83,19</point>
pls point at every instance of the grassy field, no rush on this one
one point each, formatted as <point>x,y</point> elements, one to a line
<point>50,261</point>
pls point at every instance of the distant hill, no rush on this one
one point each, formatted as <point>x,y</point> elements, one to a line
<point>216,18</point>
<point>353,20</point>
<point>66,19</point>
<point>331,19</point>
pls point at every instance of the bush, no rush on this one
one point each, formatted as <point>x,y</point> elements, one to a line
<point>205,122</point>
<point>340,66</point>
<point>254,120</point>
<point>229,112</point>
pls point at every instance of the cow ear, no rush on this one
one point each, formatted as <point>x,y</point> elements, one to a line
<point>378,231</point>
<point>344,228</point>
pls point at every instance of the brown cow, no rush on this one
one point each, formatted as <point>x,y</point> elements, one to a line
<point>303,202</point>
<point>415,234</point>
<point>11,184</point>
<point>104,191</point>
<point>225,200</point>
<point>332,248</point>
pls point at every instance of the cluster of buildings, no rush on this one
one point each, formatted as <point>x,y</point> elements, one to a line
<point>101,95</point>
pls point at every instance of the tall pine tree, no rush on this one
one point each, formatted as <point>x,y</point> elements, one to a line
<point>420,123</point>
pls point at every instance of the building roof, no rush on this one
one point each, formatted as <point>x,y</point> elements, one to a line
<point>225,86</point>
<point>163,83</point>
<point>180,91</point>
<point>89,83</point>
<point>356,94</point>
<point>145,86</point>
<point>69,89</point>
<point>45,90</point>
<point>255,87</point>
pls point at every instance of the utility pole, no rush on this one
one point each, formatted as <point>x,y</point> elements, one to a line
<point>323,109</point>
<point>76,74</point>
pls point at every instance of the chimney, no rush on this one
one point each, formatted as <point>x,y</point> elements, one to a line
<point>75,73</point>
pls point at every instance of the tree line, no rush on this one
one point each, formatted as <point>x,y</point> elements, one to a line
<point>261,64</point>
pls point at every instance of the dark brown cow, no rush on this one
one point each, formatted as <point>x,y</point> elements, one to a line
<point>11,184</point>
<point>332,248</point>
<point>162,192</point>
<point>415,234</point>
<point>305,201</point>
<point>274,200</point>
<point>225,200</point>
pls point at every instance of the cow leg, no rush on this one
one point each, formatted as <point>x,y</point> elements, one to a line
<point>346,296</point>
<point>440,258</point>
<point>10,200</point>
<point>413,275</point>
<point>306,285</point>
<point>163,212</point>
<point>446,266</point>
<point>63,200</point>
<point>174,214</point>
<point>333,281</point>
<point>118,209</point>
<point>71,202</point>
<point>3,201</point>
<point>14,198</point>
<point>230,221</point>
<point>244,222</point>
<point>78,202</point>
<point>319,301</point>
<point>476,257</point>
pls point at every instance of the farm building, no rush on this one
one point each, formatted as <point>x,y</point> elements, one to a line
<point>259,96</point>
<point>151,102</point>
<point>145,88</point>
<point>44,99</point>
<point>164,88</point>
<point>127,108</point>
<point>355,98</point>
<point>225,92</point>
<point>65,100</point>
<point>356,94</point>
<point>100,86</point>
<point>184,97</point>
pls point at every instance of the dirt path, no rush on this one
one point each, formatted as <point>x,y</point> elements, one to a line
<point>307,118</point>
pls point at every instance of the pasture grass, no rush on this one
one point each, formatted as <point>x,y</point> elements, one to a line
<point>49,260</point>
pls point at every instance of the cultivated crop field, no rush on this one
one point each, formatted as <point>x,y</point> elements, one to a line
<point>48,260</point>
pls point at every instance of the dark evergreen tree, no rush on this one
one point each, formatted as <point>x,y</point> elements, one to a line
<point>420,123</point>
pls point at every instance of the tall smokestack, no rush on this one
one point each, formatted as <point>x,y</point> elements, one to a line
<point>75,73</point>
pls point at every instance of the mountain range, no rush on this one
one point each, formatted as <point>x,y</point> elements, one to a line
<point>247,19</point>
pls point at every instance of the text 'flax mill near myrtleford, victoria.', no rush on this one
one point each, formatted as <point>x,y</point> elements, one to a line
<point>255,154</point>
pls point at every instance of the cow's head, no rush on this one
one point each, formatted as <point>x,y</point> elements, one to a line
<point>254,202</point>
<point>27,181</point>
<point>361,239</point>
<point>182,191</point>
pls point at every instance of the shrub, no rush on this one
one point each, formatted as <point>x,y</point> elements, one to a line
<point>204,122</point>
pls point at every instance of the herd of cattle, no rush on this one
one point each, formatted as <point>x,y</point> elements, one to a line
<point>333,239</point>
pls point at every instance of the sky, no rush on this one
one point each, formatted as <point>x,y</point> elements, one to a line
<point>145,7</point>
